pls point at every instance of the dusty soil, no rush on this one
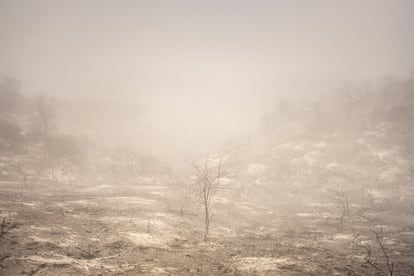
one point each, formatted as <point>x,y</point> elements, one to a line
<point>105,230</point>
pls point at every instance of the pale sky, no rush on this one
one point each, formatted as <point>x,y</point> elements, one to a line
<point>201,67</point>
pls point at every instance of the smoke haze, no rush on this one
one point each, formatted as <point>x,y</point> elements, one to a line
<point>183,73</point>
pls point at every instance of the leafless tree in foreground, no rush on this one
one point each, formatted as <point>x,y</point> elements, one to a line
<point>384,267</point>
<point>207,182</point>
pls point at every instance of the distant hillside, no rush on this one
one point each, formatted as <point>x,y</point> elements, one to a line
<point>355,147</point>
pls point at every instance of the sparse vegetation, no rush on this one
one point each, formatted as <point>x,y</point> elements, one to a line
<point>295,195</point>
<point>310,168</point>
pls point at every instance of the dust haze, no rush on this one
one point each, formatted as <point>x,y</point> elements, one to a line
<point>206,137</point>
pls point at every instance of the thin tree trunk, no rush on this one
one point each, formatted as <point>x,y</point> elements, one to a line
<point>206,221</point>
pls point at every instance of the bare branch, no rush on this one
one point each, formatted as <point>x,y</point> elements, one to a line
<point>207,183</point>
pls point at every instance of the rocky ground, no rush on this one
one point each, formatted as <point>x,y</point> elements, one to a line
<point>141,231</point>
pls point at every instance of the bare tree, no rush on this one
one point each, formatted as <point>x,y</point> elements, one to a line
<point>23,171</point>
<point>373,257</point>
<point>128,160</point>
<point>45,113</point>
<point>207,183</point>
<point>10,97</point>
<point>340,200</point>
